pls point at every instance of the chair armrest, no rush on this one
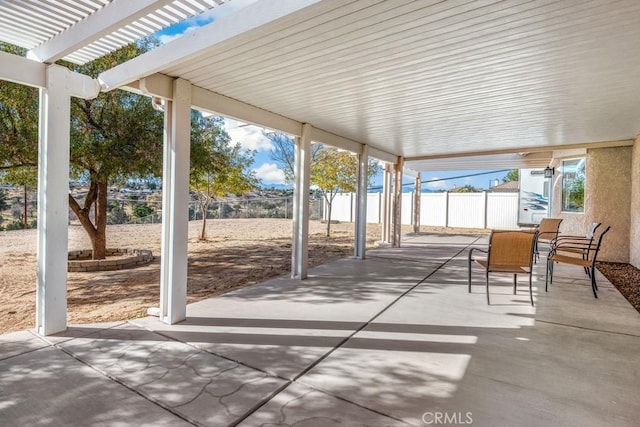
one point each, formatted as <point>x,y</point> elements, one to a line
<point>571,240</point>
<point>476,249</point>
<point>568,237</point>
<point>573,245</point>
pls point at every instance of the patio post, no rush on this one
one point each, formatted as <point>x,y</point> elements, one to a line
<point>397,203</point>
<point>53,201</point>
<point>175,204</point>
<point>361,206</point>
<point>386,204</point>
<point>299,248</point>
<point>416,203</point>
<point>57,85</point>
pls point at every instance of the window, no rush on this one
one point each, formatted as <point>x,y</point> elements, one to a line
<point>573,178</point>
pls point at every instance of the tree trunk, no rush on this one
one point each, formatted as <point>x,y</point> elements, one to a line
<point>25,221</point>
<point>203,232</point>
<point>99,244</point>
<point>98,233</point>
<point>329,204</point>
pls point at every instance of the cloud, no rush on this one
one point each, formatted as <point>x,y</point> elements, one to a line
<point>250,137</point>
<point>269,173</point>
<point>178,30</point>
<point>436,185</point>
<point>166,38</point>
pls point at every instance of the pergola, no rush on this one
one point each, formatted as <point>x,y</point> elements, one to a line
<point>420,84</point>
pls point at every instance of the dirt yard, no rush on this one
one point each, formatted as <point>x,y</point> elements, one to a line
<point>239,252</point>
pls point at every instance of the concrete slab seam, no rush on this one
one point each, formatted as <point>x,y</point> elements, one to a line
<point>342,342</point>
<point>588,329</point>
<point>123,384</point>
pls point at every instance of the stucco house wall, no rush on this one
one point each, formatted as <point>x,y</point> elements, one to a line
<point>607,200</point>
<point>634,234</point>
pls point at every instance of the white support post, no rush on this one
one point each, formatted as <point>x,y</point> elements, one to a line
<point>175,204</point>
<point>386,204</point>
<point>361,206</point>
<point>446,209</point>
<point>299,248</point>
<point>53,202</point>
<point>485,219</point>
<point>417,199</point>
<point>397,203</point>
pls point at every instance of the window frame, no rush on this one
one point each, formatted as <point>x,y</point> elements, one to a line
<point>569,178</point>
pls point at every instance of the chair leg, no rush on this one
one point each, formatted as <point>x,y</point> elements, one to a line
<point>469,272</point>
<point>546,278</point>
<point>487,278</point>
<point>514,283</point>
<point>594,286</point>
<point>530,289</point>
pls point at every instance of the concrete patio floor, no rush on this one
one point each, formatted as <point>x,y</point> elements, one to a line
<point>392,340</point>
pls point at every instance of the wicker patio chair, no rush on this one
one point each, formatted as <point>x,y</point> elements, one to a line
<point>576,253</point>
<point>547,232</point>
<point>509,252</point>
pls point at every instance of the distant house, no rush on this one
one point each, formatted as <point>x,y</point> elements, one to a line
<point>507,187</point>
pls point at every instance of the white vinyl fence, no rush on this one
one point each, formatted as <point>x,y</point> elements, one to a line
<point>464,210</point>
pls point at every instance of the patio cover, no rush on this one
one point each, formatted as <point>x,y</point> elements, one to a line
<point>398,80</point>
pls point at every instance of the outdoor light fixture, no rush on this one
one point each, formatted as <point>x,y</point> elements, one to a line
<point>548,172</point>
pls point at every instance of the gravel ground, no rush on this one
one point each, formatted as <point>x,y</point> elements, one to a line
<point>625,277</point>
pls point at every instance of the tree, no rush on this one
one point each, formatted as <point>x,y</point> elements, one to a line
<point>18,121</point>
<point>18,134</point>
<point>466,189</point>
<point>283,153</point>
<point>332,171</point>
<point>142,210</point>
<point>115,135</point>
<point>217,166</point>
<point>25,177</point>
<point>335,171</point>
<point>512,175</point>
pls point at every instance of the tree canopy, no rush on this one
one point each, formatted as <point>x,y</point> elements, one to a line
<point>332,170</point>
<point>18,121</point>
<point>114,137</point>
<point>283,153</point>
<point>218,167</point>
<point>512,175</point>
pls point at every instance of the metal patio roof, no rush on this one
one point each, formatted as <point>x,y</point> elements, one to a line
<point>82,30</point>
<point>425,78</point>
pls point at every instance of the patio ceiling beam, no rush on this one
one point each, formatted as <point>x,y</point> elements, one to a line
<point>18,69</point>
<point>106,20</point>
<point>215,103</point>
<point>198,41</point>
<point>160,86</point>
<point>526,150</point>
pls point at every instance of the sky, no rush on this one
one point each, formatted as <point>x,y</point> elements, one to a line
<point>253,138</point>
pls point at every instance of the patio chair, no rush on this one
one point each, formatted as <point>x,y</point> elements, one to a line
<point>566,240</point>
<point>510,251</point>
<point>583,254</point>
<point>547,232</point>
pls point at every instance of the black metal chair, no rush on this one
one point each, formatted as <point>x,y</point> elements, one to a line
<point>576,253</point>
<point>568,240</point>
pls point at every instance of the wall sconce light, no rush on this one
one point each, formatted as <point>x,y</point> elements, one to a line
<point>548,172</point>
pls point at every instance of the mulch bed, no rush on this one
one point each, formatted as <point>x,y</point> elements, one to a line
<point>625,277</point>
